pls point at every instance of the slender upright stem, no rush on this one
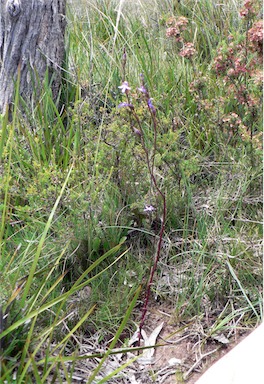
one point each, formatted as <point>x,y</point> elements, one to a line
<point>151,165</point>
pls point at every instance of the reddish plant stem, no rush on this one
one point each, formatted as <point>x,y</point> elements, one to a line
<point>150,165</point>
<point>153,269</point>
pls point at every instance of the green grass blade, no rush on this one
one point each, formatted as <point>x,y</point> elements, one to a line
<point>42,240</point>
<point>117,335</point>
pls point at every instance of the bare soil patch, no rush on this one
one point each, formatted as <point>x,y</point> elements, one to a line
<point>183,343</point>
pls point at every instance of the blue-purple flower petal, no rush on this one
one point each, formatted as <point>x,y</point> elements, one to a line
<point>151,106</point>
<point>124,104</point>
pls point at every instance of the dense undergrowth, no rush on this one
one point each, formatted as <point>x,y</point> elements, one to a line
<point>80,215</point>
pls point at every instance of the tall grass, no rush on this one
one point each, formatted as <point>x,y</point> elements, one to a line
<point>76,243</point>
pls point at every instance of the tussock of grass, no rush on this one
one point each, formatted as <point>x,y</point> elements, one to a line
<point>76,244</point>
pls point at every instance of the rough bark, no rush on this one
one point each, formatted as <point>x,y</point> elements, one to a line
<point>31,43</point>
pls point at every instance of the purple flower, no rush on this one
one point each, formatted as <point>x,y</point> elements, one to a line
<point>124,104</point>
<point>142,89</point>
<point>151,106</point>
<point>124,87</point>
<point>149,208</point>
<point>137,131</point>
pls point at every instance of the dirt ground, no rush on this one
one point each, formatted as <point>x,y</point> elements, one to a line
<point>194,352</point>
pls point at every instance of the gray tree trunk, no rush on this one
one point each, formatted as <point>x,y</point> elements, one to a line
<point>32,43</point>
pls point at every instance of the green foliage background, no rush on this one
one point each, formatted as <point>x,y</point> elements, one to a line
<point>74,181</point>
